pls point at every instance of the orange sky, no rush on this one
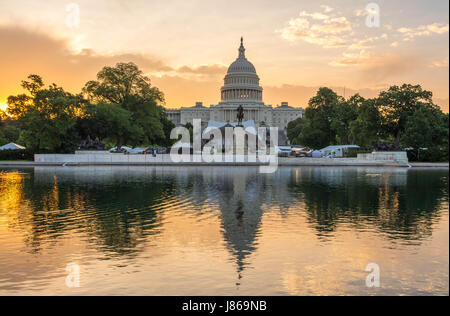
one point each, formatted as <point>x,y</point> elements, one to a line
<point>186,46</point>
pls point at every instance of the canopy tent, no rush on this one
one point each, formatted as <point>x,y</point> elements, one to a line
<point>338,151</point>
<point>12,146</point>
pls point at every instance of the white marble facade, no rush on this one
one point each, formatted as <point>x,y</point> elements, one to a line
<point>241,87</point>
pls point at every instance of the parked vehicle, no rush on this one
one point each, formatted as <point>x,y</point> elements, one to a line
<point>301,152</point>
<point>284,151</point>
<point>120,150</point>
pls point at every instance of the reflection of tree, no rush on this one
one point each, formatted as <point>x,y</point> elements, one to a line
<point>119,209</point>
<point>116,212</point>
<point>401,203</point>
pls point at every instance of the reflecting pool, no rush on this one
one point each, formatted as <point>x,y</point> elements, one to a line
<point>223,231</point>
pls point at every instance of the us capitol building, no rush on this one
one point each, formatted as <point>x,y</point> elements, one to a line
<point>241,87</point>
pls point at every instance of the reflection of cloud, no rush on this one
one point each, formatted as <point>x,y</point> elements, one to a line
<point>318,28</point>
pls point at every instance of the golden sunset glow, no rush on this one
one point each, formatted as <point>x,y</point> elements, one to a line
<point>185,47</point>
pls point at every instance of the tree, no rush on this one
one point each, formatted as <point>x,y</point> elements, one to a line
<point>110,121</point>
<point>126,86</point>
<point>48,116</point>
<point>294,129</point>
<point>365,129</point>
<point>317,132</point>
<point>190,128</point>
<point>9,132</point>
<point>345,112</point>
<point>399,103</point>
<point>122,84</point>
<point>168,126</point>
<point>426,128</point>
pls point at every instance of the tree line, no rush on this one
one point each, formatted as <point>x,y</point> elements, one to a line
<point>120,108</point>
<point>401,117</point>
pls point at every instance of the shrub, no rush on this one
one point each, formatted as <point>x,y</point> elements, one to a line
<point>7,155</point>
<point>433,154</point>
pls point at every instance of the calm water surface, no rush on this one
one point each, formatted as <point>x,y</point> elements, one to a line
<point>224,231</point>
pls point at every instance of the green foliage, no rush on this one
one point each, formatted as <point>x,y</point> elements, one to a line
<point>190,127</point>
<point>405,115</point>
<point>12,155</point>
<point>365,129</point>
<point>345,112</point>
<point>109,121</point>
<point>121,85</point>
<point>125,85</point>
<point>318,132</point>
<point>433,154</point>
<point>3,139</point>
<point>294,129</point>
<point>399,103</point>
<point>47,115</point>
<point>121,107</point>
<point>425,128</point>
<point>168,126</point>
<point>9,131</point>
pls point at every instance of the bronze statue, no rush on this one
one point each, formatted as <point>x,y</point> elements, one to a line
<point>89,144</point>
<point>240,115</point>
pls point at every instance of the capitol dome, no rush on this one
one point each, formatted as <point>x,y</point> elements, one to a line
<point>241,82</point>
<point>241,64</point>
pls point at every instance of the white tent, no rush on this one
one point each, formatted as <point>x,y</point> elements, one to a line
<point>182,145</point>
<point>338,151</point>
<point>317,154</point>
<point>12,146</point>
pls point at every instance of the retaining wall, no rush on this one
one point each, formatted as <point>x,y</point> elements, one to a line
<point>121,159</point>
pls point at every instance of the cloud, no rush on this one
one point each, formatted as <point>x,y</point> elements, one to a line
<point>374,68</point>
<point>364,44</point>
<point>423,30</point>
<point>440,63</point>
<point>326,30</point>
<point>26,52</point>
<point>31,52</point>
<point>360,12</point>
<point>208,70</point>
<point>351,59</point>
<point>327,9</point>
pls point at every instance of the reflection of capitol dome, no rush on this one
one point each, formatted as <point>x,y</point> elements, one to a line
<point>241,82</point>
